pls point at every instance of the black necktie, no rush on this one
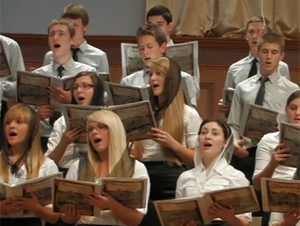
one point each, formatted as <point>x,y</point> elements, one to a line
<point>74,53</point>
<point>261,92</point>
<point>60,71</point>
<point>253,70</point>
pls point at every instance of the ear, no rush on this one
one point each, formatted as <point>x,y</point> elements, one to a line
<point>85,28</point>
<point>72,40</point>
<point>163,48</point>
<point>170,27</point>
<point>282,56</point>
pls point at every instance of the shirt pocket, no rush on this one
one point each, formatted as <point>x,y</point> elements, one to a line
<point>219,184</point>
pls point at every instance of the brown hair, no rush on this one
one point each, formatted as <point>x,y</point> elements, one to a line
<point>153,30</point>
<point>271,37</point>
<point>173,106</point>
<point>258,19</point>
<point>68,24</point>
<point>76,11</point>
<point>32,150</point>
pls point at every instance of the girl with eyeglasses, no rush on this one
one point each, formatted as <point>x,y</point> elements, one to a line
<point>86,90</point>
<point>108,156</point>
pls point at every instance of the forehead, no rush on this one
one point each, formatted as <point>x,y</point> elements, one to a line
<point>58,27</point>
<point>270,46</point>
<point>146,39</point>
<point>255,25</point>
<point>296,101</point>
<point>84,78</point>
<point>157,18</point>
<point>212,126</point>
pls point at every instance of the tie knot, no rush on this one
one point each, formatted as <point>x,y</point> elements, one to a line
<point>254,61</point>
<point>60,70</point>
<point>264,79</point>
<point>75,50</point>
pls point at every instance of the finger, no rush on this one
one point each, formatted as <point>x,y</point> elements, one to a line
<point>73,210</point>
<point>156,130</point>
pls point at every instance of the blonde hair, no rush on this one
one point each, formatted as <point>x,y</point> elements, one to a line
<point>173,115</point>
<point>32,150</point>
<point>117,146</point>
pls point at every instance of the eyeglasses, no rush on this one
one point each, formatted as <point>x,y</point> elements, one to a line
<point>83,86</point>
<point>99,127</point>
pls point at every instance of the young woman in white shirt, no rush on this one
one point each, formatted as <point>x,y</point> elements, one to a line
<point>21,159</point>
<point>171,145</point>
<point>269,150</point>
<point>86,90</point>
<point>108,156</point>
<point>212,172</point>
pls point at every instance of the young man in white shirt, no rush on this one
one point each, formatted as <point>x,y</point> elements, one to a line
<point>248,66</point>
<point>61,36</point>
<point>16,63</point>
<point>162,16</point>
<point>152,43</point>
<point>81,50</point>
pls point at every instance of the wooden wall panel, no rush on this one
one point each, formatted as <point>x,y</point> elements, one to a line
<point>215,56</point>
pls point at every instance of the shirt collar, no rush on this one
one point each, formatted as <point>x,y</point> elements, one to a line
<point>273,78</point>
<point>67,66</point>
<point>170,42</point>
<point>251,57</point>
<point>83,46</point>
<point>217,168</point>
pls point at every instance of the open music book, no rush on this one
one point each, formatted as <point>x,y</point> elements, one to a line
<point>290,137</point>
<point>256,121</point>
<point>32,87</point>
<point>280,195</point>
<point>40,187</point>
<point>171,212</point>
<point>137,118</point>
<point>185,54</point>
<point>122,94</point>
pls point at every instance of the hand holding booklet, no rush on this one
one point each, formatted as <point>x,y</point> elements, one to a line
<point>32,88</point>
<point>171,212</point>
<point>41,187</point>
<point>129,192</point>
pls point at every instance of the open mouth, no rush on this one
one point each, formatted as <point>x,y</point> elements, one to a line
<point>12,134</point>
<point>97,140</point>
<point>147,58</point>
<point>207,144</point>
<point>155,86</point>
<point>254,42</point>
<point>81,98</point>
<point>56,46</point>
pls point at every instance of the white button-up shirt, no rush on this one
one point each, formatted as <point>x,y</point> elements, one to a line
<point>89,55</point>
<point>239,71</point>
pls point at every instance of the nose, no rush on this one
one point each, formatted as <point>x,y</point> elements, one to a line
<point>12,124</point>
<point>269,55</point>
<point>298,111</point>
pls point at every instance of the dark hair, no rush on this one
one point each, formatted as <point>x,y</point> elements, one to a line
<point>153,30</point>
<point>76,11</point>
<point>62,21</point>
<point>98,95</point>
<point>271,37</point>
<point>293,96</point>
<point>225,127</point>
<point>160,10</point>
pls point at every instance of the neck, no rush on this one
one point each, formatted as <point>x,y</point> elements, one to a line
<point>77,44</point>
<point>253,52</point>
<point>63,59</point>
<point>103,157</point>
<point>267,73</point>
<point>16,152</point>
<point>209,163</point>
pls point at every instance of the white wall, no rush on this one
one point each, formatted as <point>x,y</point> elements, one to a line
<point>107,17</point>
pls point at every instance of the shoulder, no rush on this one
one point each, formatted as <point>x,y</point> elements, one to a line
<point>84,67</point>
<point>8,41</point>
<point>139,170</point>
<point>72,173</point>
<point>132,76</point>
<point>49,54</point>
<point>44,69</point>
<point>190,111</point>
<point>186,177</point>
<point>283,64</point>
<point>235,176</point>
<point>239,63</point>
<point>94,49</point>
<point>48,166</point>
<point>269,137</point>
